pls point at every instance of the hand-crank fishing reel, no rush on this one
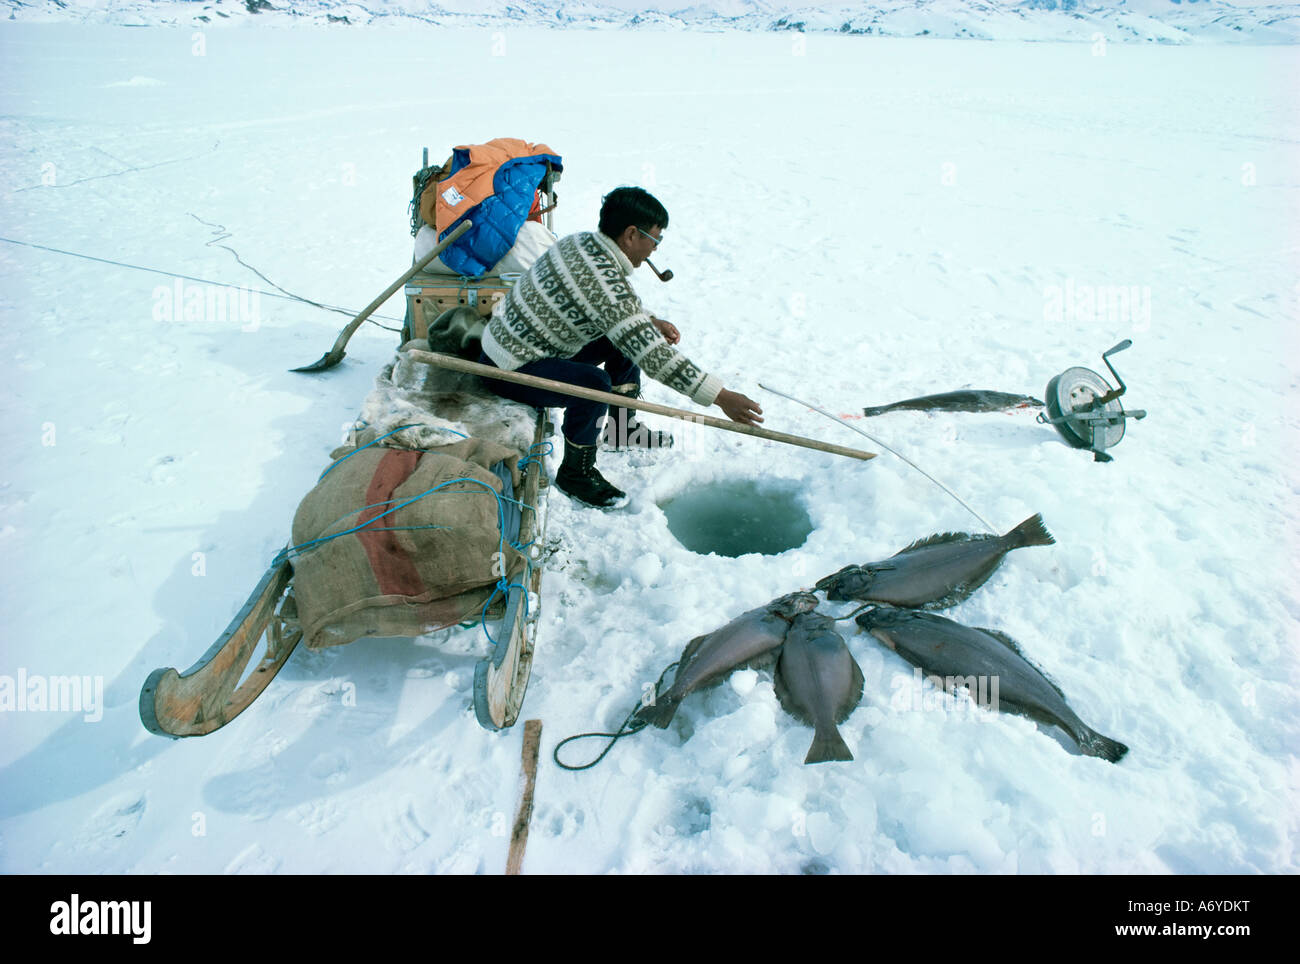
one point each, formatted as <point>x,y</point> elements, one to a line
<point>1086,410</point>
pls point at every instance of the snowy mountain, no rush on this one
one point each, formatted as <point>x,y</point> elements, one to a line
<point>1162,21</point>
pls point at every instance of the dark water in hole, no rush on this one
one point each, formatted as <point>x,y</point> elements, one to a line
<point>735,518</point>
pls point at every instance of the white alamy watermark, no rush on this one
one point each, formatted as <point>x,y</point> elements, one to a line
<point>1118,304</point>
<point>218,304</point>
<point>911,694</point>
<point>34,693</point>
<point>75,916</point>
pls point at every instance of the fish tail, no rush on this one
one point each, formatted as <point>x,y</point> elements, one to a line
<point>660,713</point>
<point>1031,532</point>
<point>1094,744</point>
<point>828,746</point>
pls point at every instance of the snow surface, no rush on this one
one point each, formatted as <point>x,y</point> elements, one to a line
<point>855,220</point>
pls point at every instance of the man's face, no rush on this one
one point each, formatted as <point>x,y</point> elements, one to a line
<point>639,245</point>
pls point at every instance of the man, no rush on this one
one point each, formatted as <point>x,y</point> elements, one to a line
<point>574,311</point>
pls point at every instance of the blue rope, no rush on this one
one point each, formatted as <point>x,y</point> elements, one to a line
<point>535,454</point>
<point>384,436</point>
<point>536,457</point>
<point>298,549</point>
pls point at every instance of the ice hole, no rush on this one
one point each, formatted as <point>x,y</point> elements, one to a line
<point>736,518</point>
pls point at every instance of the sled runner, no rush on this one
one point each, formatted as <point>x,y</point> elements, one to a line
<point>209,694</point>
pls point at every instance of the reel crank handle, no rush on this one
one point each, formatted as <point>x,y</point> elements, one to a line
<point>1105,356</point>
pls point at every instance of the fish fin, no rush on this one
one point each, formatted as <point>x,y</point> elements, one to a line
<point>958,593</point>
<point>1012,645</point>
<point>660,713</point>
<point>1031,532</point>
<point>787,702</point>
<point>1006,641</point>
<point>943,538</point>
<point>1094,744</point>
<point>852,702</point>
<point>688,653</point>
<point>828,747</point>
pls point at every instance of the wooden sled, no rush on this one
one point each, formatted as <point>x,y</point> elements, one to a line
<point>215,690</point>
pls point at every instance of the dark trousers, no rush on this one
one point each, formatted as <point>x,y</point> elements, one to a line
<point>582,418</point>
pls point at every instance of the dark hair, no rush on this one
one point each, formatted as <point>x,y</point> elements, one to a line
<point>625,206</point>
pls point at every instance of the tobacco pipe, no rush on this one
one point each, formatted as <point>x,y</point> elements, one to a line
<point>661,275</point>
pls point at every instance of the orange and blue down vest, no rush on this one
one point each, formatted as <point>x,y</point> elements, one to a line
<point>495,186</point>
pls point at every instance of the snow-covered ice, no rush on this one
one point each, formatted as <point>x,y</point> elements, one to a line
<point>853,219</point>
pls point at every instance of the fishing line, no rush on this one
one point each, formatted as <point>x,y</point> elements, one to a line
<point>622,731</point>
<point>204,281</point>
<point>888,448</point>
<point>221,234</point>
<point>840,619</point>
<point>129,170</point>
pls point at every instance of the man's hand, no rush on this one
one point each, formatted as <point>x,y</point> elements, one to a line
<point>738,408</point>
<point>667,329</point>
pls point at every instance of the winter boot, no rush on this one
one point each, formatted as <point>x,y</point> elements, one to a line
<point>623,431</point>
<point>577,477</point>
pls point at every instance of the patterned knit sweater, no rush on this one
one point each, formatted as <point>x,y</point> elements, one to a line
<point>575,293</point>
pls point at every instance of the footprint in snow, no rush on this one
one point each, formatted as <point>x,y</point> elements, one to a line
<point>460,864</point>
<point>255,793</point>
<point>559,822</point>
<point>402,830</point>
<point>426,669</point>
<point>162,470</point>
<point>253,860</point>
<point>114,820</point>
<point>332,767</point>
<point>317,818</point>
<point>1247,308</point>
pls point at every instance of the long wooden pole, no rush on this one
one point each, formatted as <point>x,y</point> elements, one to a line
<point>455,364</point>
<point>528,767</point>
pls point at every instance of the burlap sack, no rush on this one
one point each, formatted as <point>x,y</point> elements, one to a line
<point>426,566</point>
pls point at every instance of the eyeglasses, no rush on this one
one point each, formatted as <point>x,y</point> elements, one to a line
<point>652,237</point>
